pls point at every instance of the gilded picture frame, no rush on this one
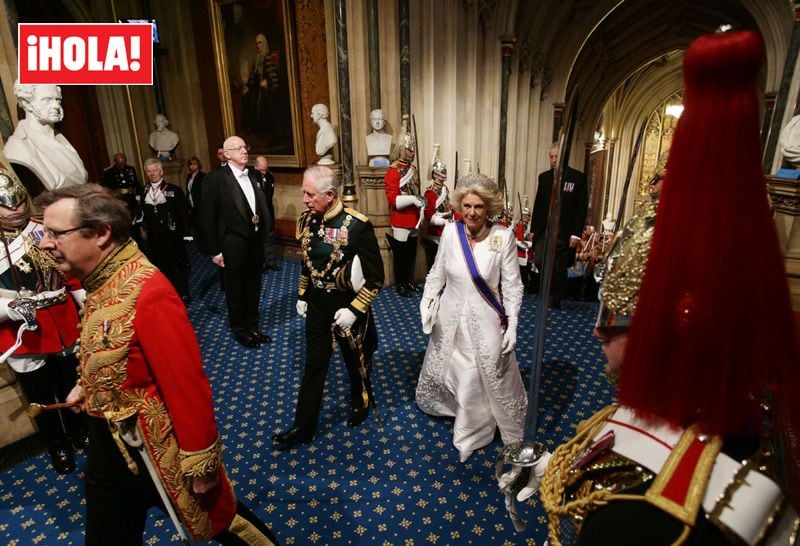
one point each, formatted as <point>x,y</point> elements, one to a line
<point>255,57</point>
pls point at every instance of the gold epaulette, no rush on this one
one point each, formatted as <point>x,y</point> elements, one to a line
<point>302,223</point>
<point>203,462</point>
<point>356,214</point>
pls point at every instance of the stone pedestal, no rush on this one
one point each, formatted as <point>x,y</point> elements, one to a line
<point>173,172</point>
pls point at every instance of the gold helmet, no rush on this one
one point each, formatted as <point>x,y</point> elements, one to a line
<point>624,269</point>
<point>12,192</point>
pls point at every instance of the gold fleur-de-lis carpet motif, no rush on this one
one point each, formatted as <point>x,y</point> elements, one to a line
<point>399,485</point>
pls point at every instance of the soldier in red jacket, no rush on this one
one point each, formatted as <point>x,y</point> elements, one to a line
<point>34,293</point>
<point>406,209</point>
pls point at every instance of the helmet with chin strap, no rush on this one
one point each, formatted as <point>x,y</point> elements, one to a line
<point>12,194</point>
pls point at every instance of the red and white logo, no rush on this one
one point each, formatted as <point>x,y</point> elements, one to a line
<point>86,54</point>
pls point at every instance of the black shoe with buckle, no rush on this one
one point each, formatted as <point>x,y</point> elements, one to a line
<point>357,416</point>
<point>61,457</point>
<point>292,437</point>
<point>248,340</point>
<point>80,441</point>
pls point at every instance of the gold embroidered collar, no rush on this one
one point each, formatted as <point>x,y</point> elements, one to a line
<point>110,265</point>
<point>334,211</point>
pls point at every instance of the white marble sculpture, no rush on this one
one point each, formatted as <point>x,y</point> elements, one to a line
<point>326,135</point>
<point>379,142</point>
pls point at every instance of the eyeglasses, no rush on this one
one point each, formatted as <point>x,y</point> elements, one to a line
<point>56,235</point>
<point>245,148</point>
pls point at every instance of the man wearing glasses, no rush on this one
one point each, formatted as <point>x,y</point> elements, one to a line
<point>154,438</point>
<point>234,220</point>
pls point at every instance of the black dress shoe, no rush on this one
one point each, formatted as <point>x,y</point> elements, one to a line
<point>411,287</point>
<point>402,291</point>
<point>357,416</point>
<point>292,437</point>
<point>261,338</point>
<point>61,458</point>
<point>271,266</point>
<point>248,340</point>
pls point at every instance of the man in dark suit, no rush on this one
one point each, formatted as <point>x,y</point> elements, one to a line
<point>266,182</point>
<point>234,220</point>
<point>574,205</point>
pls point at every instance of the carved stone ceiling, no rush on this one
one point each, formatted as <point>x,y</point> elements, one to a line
<point>597,44</point>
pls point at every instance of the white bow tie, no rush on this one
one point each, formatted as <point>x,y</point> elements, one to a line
<point>244,173</point>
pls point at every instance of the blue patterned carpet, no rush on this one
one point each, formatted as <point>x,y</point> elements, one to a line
<point>402,485</point>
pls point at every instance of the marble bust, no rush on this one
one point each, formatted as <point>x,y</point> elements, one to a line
<point>790,142</point>
<point>36,146</point>
<point>326,135</point>
<point>163,141</point>
<point>379,142</point>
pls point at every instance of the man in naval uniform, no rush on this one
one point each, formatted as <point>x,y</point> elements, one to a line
<point>341,275</point>
<point>121,179</point>
<point>154,438</point>
<point>401,183</point>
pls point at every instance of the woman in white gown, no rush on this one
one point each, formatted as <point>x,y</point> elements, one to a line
<point>470,371</point>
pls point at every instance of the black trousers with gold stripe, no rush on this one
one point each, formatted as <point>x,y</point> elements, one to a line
<point>319,348</point>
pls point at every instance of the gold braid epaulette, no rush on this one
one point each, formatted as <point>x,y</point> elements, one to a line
<point>202,463</point>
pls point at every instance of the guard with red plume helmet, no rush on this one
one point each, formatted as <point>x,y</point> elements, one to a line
<point>703,446</point>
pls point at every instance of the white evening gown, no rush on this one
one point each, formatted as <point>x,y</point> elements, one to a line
<point>464,374</point>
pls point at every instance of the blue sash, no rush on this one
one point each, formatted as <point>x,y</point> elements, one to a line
<point>480,284</point>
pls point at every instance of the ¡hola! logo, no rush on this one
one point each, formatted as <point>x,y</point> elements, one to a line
<point>86,54</point>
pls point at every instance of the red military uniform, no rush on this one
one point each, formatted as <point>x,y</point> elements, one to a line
<point>138,361</point>
<point>58,324</point>
<point>401,179</point>
<point>523,245</point>
<point>436,202</point>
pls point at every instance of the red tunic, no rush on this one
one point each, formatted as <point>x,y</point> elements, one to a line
<point>140,357</point>
<point>58,324</point>
<point>409,216</point>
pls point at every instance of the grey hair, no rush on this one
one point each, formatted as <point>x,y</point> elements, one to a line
<point>482,186</point>
<point>153,161</point>
<point>324,178</point>
<point>555,145</point>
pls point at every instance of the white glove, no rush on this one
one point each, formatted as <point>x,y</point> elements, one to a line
<point>344,318</point>
<point>405,201</point>
<point>536,478</point>
<point>440,218</point>
<point>48,294</point>
<point>510,336</point>
<point>302,307</point>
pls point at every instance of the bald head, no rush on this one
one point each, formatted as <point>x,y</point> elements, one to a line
<point>236,151</point>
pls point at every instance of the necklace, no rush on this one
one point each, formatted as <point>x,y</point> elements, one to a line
<point>480,234</point>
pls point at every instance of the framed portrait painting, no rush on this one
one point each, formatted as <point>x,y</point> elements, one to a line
<point>254,50</point>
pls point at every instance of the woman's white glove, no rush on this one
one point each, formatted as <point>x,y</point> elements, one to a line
<point>302,307</point>
<point>510,336</point>
<point>405,201</point>
<point>344,318</point>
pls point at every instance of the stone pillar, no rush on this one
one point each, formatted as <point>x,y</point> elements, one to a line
<point>783,91</point>
<point>405,60</point>
<point>374,56</point>
<point>506,49</point>
<point>785,196</point>
<point>345,132</point>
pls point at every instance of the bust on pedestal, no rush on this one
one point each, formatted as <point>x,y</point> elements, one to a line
<point>163,141</point>
<point>379,143</point>
<point>41,156</point>
<point>326,136</point>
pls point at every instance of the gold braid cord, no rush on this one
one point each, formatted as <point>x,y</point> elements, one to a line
<point>201,463</point>
<point>556,476</point>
